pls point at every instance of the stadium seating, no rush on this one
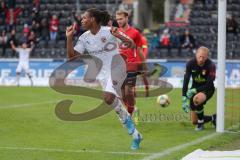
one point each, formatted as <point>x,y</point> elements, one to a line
<point>202,25</point>
<point>63,9</point>
<point>203,19</point>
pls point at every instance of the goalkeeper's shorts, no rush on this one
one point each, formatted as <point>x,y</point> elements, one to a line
<point>209,93</point>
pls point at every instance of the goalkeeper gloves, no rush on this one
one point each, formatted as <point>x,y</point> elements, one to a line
<point>191,92</point>
<point>185,104</point>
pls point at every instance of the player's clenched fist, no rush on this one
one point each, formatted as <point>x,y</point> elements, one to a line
<point>70,30</point>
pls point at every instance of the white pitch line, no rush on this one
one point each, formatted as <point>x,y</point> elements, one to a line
<point>72,151</point>
<point>179,147</point>
<point>27,104</point>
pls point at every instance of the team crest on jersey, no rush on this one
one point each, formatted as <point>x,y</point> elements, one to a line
<point>104,39</point>
<point>203,72</point>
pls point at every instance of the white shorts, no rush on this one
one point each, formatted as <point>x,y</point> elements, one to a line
<point>23,66</point>
<point>111,80</point>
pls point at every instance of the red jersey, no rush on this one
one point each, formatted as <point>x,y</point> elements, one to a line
<point>129,53</point>
<point>54,23</point>
<point>144,46</point>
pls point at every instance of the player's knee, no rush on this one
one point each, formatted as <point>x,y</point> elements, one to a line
<point>108,98</point>
<point>197,101</point>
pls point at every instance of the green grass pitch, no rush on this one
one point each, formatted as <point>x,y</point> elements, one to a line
<point>30,130</point>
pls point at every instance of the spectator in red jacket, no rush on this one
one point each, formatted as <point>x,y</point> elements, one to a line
<point>54,23</point>
<point>11,17</point>
<point>26,29</point>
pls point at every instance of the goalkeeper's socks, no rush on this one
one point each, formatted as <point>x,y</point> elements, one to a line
<point>200,113</point>
<point>214,119</point>
<point>200,125</point>
<point>207,119</point>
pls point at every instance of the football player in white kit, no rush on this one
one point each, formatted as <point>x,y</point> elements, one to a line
<point>102,42</point>
<point>23,63</point>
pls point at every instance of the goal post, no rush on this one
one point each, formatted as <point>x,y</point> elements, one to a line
<point>222,8</point>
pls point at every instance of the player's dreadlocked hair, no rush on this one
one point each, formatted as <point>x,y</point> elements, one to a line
<point>101,17</point>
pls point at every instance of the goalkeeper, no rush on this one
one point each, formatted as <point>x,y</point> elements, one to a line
<point>202,70</point>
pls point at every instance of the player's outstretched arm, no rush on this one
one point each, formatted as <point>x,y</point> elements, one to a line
<point>185,100</point>
<point>186,79</point>
<point>32,46</point>
<point>69,34</point>
<point>124,38</point>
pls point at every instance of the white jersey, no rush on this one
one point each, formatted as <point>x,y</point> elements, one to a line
<point>104,46</point>
<point>23,54</point>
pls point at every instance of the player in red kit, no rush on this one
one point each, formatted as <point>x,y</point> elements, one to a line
<point>130,57</point>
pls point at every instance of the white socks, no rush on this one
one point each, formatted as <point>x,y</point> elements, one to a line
<point>120,110</point>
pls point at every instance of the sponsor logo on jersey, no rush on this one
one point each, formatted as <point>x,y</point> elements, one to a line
<point>204,72</point>
<point>199,79</point>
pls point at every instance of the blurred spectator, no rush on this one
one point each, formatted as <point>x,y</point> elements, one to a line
<point>32,41</point>
<point>2,13</point>
<point>11,3</point>
<point>32,38</point>
<point>14,40</point>
<point>153,45</point>
<point>35,16</point>
<point>207,2</point>
<point>36,28</point>
<point>186,41</point>
<point>165,40</point>
<point>232,25</point>
<point>26,29</point>
<point>11,17</point>
<point>24,38</point>
<point>53,28</point>
<point>44,31</point>
<point>3,42</point>
<point>36,4</point>
<point>175,39</point>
